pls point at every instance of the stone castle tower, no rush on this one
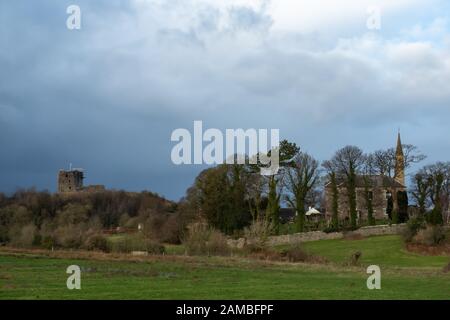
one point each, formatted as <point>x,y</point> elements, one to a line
<point>399,162</point>
<point>70,181</point>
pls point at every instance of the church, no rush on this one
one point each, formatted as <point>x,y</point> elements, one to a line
<point>383,192</point>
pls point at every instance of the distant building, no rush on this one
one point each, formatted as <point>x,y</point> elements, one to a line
<point>382,189</point>
<point>71,181</point>
<point>314,215</point>
<point>312,212</point>
<point>399,163</point>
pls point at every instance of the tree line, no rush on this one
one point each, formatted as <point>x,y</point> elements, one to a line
<point>33,218</point>
<point>230,196</point>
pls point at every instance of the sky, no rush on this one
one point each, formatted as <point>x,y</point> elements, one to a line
<point>107,97</point>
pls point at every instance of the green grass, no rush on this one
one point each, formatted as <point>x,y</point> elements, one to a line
<point>384,251</point>
<point>175,249</point>
<point>404,276</point>
<point>170,248</point>
<point>116,237</point>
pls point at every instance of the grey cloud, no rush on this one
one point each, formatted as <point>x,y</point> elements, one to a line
<point>107,97</point>
<point>248,19</point>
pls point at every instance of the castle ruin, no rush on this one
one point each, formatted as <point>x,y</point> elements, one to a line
<point>71,181</point>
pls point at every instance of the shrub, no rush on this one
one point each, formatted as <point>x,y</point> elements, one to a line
<point>395,217</point>
<point>137,242</point>
<point>296,253</point>
<point>412,228</point>
<point>217,244</point>
<point>48,242</point>
<point>152,247</point>
<point>155,248</point>
<point>152,227</point>
<point>446,269</point>
<point>268,254</point>
<point>204,240</point>
<point>37,241</point>
<point>70,236</point>
<point>73,213</point>
<point>331,229</point>
<point>123,220</point>
<point>258,233</point>
<point>25,237</point>
<point>4,234</point>
<point>431,236</point>
<point>171,231</point>
<point>354,258</point>
<point>435,217</point>
<point>346,226</point>
<point>196,238</point>
<point>96,242</point>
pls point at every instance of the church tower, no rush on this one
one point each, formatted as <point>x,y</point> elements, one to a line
<point>399,162</point>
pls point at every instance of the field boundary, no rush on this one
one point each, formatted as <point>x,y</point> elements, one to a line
<point>368,231</point>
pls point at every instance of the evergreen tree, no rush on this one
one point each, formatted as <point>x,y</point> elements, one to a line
<point>335,204</point>
<point>287,152</point>
<point>368,195</point>
<point>331,169</point>
<point>402,200</point>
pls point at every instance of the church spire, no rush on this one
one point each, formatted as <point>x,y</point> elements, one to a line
<point>399,162</point>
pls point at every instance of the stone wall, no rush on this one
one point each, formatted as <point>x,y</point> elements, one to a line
<point>303,237</point>
<point>319,235</point>
<point>379,203</point>
<point>381,188</point>
<point>381,230</point>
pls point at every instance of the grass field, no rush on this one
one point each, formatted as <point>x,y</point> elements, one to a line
<point>384,251</point>
<point>404,275</point>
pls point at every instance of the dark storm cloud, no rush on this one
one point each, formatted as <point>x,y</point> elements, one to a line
<point>108,96</point>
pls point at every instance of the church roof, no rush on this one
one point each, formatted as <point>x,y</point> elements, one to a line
<point>375,181</point>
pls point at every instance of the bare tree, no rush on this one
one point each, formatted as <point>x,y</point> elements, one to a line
<point>256,186</point>
<point>421,190</point>
<point>384,160</point>
<point>438,178</point>
<point>348,162</point>
<point>302,178</point>
<point>412,155</point>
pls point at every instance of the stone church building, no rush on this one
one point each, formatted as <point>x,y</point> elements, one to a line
<point>382,191</point>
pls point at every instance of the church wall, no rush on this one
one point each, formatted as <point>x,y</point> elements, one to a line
<point>379,203</point>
